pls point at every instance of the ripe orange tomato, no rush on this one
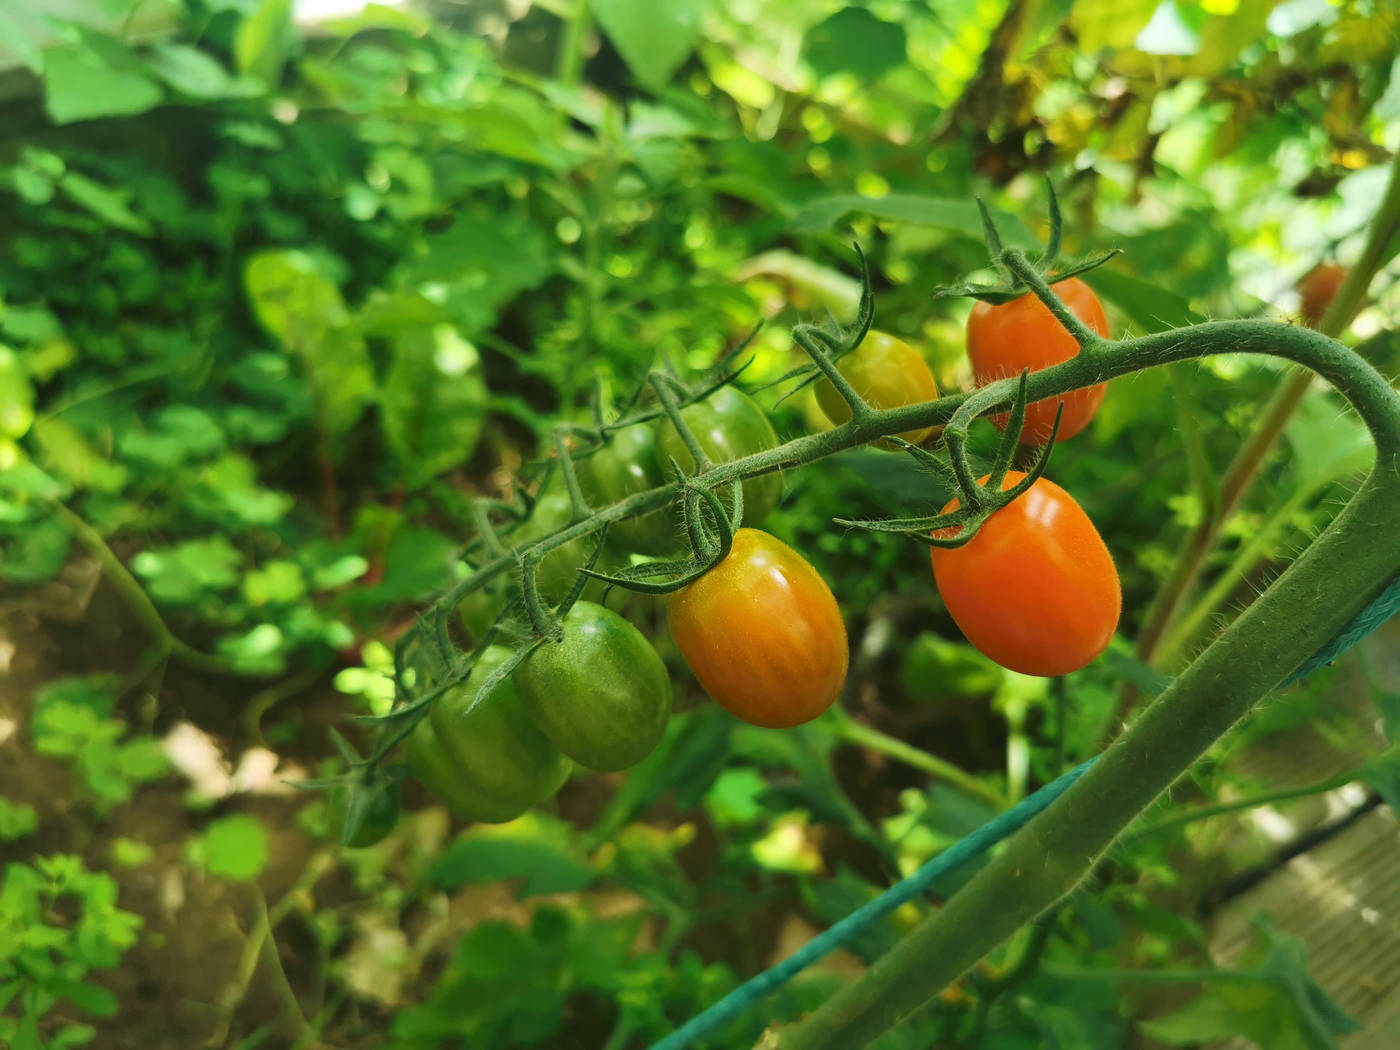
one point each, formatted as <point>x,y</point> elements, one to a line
<point>1318,287</point>
<point>1004,339</point>
<point>762,632</point>
<point>888,373</point>
<point>1036,589</point>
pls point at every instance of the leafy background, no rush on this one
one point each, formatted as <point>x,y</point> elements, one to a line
<point>285,288</point>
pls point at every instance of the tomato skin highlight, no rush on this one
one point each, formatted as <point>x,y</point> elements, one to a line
<point>601,695</point>
<point>1035,590</point>
<point>1317,288</point>
<point>728,425</point>
<point>888,373</point>
<point>624,467</point>
<point>1006,338</point>
<point>499,751</point>
<point>763,634</point>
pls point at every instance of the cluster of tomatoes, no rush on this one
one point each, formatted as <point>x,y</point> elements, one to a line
<point>1035,589</point>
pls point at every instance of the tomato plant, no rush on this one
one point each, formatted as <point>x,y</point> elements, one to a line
<point>1317,288</point>
<point>625,466</point>
<point>600,694</point>
<point>1035,589</point>
<point>763,634</point>
<point>728,425</point>
<point>888,373</point>
<point>378,820</point>
<point>1004,339</point>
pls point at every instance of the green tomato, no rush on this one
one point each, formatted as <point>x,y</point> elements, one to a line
<point>440,773</point>
<point>601,694</point>
<point>378,820</point>
<point>728,425</point>
<point>496,746</point>
<point>623,467</point>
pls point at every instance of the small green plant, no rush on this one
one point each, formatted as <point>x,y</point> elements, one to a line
<point>45,959</point>
<point>71,721</point>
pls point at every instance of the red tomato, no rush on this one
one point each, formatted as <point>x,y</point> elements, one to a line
<point>1036,589</point>
<point>1002,340</point>
<point>1318,287</point>
<point>763,633</point>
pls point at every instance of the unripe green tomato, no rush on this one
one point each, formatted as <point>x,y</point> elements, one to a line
<point>888,373</point>
<point>498,749</point>
<point>625,466</point>
<point>728,425</point>
<point>601,694</point>
<point>379,819</point>
<point>440,773</point>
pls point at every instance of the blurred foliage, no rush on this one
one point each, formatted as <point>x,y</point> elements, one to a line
<point>282,293</point>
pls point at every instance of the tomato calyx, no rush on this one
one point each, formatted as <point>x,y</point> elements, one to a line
<point>976,501</point>
<point>1013,286</point>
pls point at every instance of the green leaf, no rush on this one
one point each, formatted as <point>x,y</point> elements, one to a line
<point>188,571</point>
<point>89,997</point>
<point>83,82</point>
<point>261,42</point>
<point>1112,24</point>
<point>962,216</point>
<point>197,73</point>
<point>1383,776</point>
<point>232,848</point>
<point>105,203</point>
<point>433,402</point>
<point>16,820</point>
<point>67,452</point>
<point>1327,443</point>
<point>854,41</point>
<point>16,395</point>
<point>535,848</point>
<point>653,39</point>
<point>276,583</point>
<point>299,305</point>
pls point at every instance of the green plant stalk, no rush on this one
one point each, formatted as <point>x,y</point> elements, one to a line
<point>859,733</point>
<point>1084,973</point>
<point>1318,595</point>
<point>136,597</point>
<point>1190,625</point>
<point>1240,476</point>
<point>1266,799</point>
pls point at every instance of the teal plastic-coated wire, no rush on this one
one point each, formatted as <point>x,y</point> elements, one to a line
<point>981,840</point>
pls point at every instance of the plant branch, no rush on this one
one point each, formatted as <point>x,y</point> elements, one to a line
<point>862,735</point>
